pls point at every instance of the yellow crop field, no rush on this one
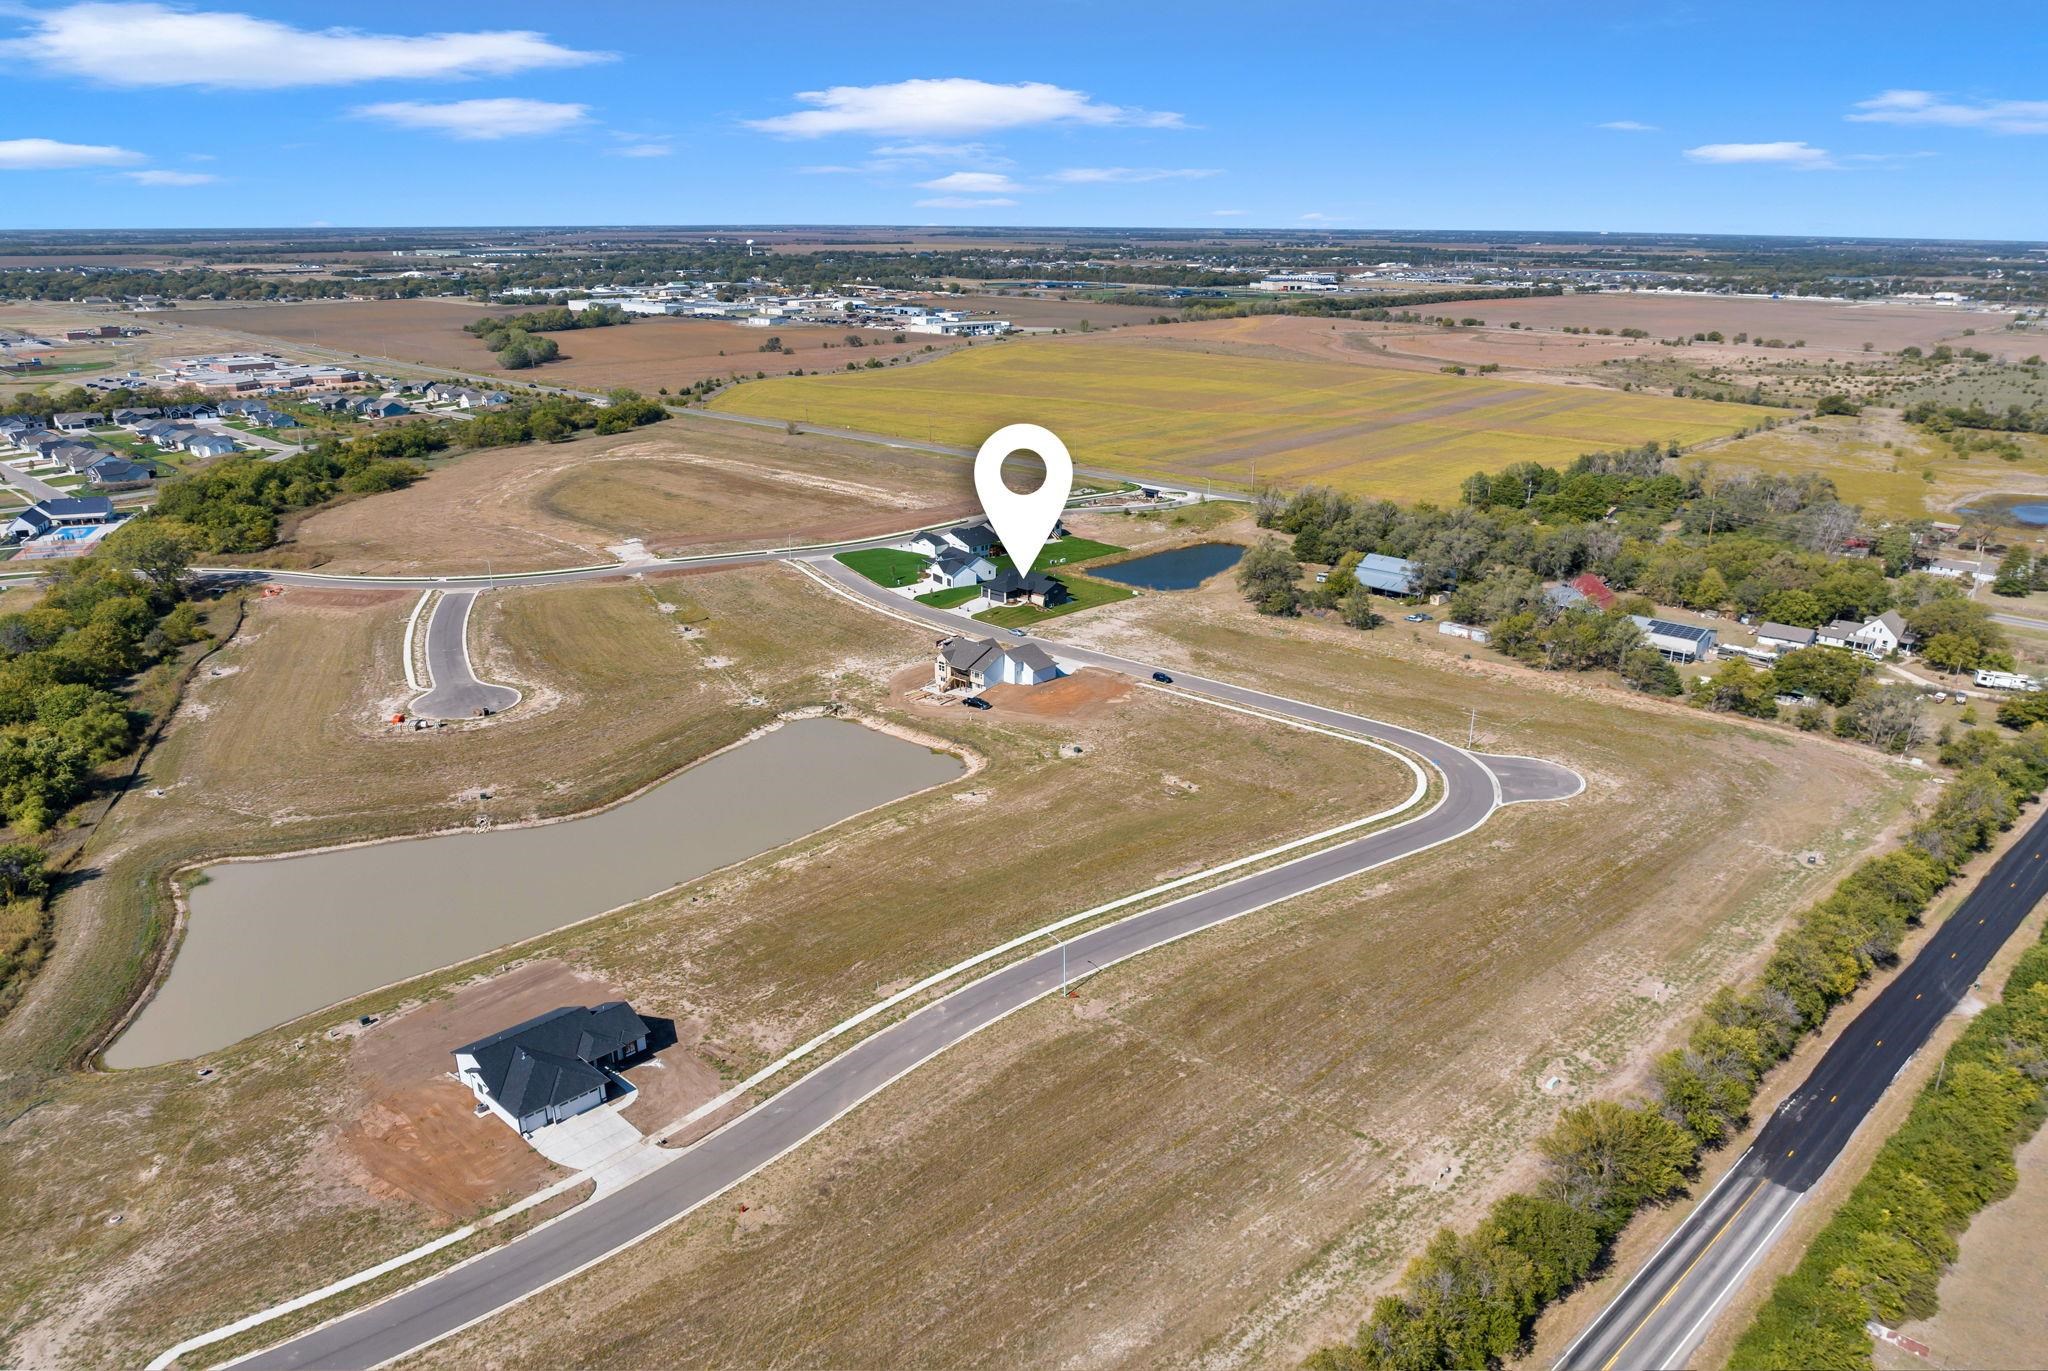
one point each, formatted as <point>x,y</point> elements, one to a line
<point>1155,410</point>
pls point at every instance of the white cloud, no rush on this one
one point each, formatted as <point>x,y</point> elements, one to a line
<point>1628,126</point>
<point>636,148</point>
<point>973,182</point>
<point>1228,213</point>
<point>1796,156</point>
<point>157,176</point>
<point>1096,176</point>
<point>47,154</point>
<point>1318,217</point>
<point>1925,107</point>
<point>949,106</point>
<point>119,44</point>
<point>479,120</point>
<point>962,202</point>
<point>980,154</point>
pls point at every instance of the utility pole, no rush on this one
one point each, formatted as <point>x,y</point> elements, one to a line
<point>1063,961</point>
<point>1471,728</point>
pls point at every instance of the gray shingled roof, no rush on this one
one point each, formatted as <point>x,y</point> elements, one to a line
<point>547,1060</point>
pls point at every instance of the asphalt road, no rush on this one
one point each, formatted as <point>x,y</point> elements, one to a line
<point>444,1304</point>
<point>2019,621</point>
<point>1663,1313</point>
<point>34,487</point>
<point>456,692</point>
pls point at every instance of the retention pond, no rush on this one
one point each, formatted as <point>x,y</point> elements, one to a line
<point>1180,568</point>
<point>270,940</point>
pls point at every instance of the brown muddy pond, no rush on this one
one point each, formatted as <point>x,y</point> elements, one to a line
<point>270,940</point>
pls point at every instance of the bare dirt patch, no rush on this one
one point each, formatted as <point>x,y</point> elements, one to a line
<point>1086,694</point>
<point>1826,325</point>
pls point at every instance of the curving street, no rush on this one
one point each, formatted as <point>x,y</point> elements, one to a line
<point>1472,787</point>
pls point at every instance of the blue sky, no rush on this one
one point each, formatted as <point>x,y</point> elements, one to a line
<point>1734,117</point>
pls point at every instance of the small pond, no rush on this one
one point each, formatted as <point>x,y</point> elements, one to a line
<point>1181,568</point>
<point>270,940</point>
<point>2030,510</point>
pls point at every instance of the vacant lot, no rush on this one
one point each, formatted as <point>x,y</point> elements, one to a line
<point>682,486</point>
<point>1217,1154</point>
<point>1125,401</point>
<point>1834,326</point>
<point>1887,466</point>
<point>647,354</point>
<point>298,1158</point>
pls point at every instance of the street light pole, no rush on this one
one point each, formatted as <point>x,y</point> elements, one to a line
<point>1063,961</point>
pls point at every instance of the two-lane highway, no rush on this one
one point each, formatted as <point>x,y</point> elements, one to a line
<point>1663,1313</point>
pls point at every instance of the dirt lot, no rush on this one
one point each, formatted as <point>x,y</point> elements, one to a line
<point>684,485</point>
<point>1222,1151</point>
<point>1826,325</point>
<point>646,354</point>
<point>1084,694</point>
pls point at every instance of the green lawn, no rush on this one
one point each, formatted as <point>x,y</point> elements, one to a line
<point>1087,595</point>
<point>885,566</point>
<point>946,599</point>
<point>1065,551</point>
<point>120,440</point>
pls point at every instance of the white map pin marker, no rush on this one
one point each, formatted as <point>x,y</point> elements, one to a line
<point>1023,522</point>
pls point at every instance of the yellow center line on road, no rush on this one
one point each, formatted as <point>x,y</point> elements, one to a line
<point>1673,1290</point>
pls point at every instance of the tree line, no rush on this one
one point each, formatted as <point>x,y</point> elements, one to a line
<point>64,664</point>
<point>1471,1298</point>
<point>236,504</point>
<point>1762,545</point>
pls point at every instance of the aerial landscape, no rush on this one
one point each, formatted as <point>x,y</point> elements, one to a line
<point>949,693</point>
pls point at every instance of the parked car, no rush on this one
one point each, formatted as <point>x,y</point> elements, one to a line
<point>1418,617</point>
<point>1162,678</point>
<point>976,702</point>
<point>1018,633</point>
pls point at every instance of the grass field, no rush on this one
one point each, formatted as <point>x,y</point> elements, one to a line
<point>1084,592</point>
<point>240,1189</point>
<point>946,599</point>
<point>1218,1153</point>
<point>885,566</point>
<point>680,486</point>
<point>1885,465</point>
<point>1141,407</point>
<point>1073,550</point>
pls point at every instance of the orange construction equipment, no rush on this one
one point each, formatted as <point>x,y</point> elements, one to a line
<point>398,718</point>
